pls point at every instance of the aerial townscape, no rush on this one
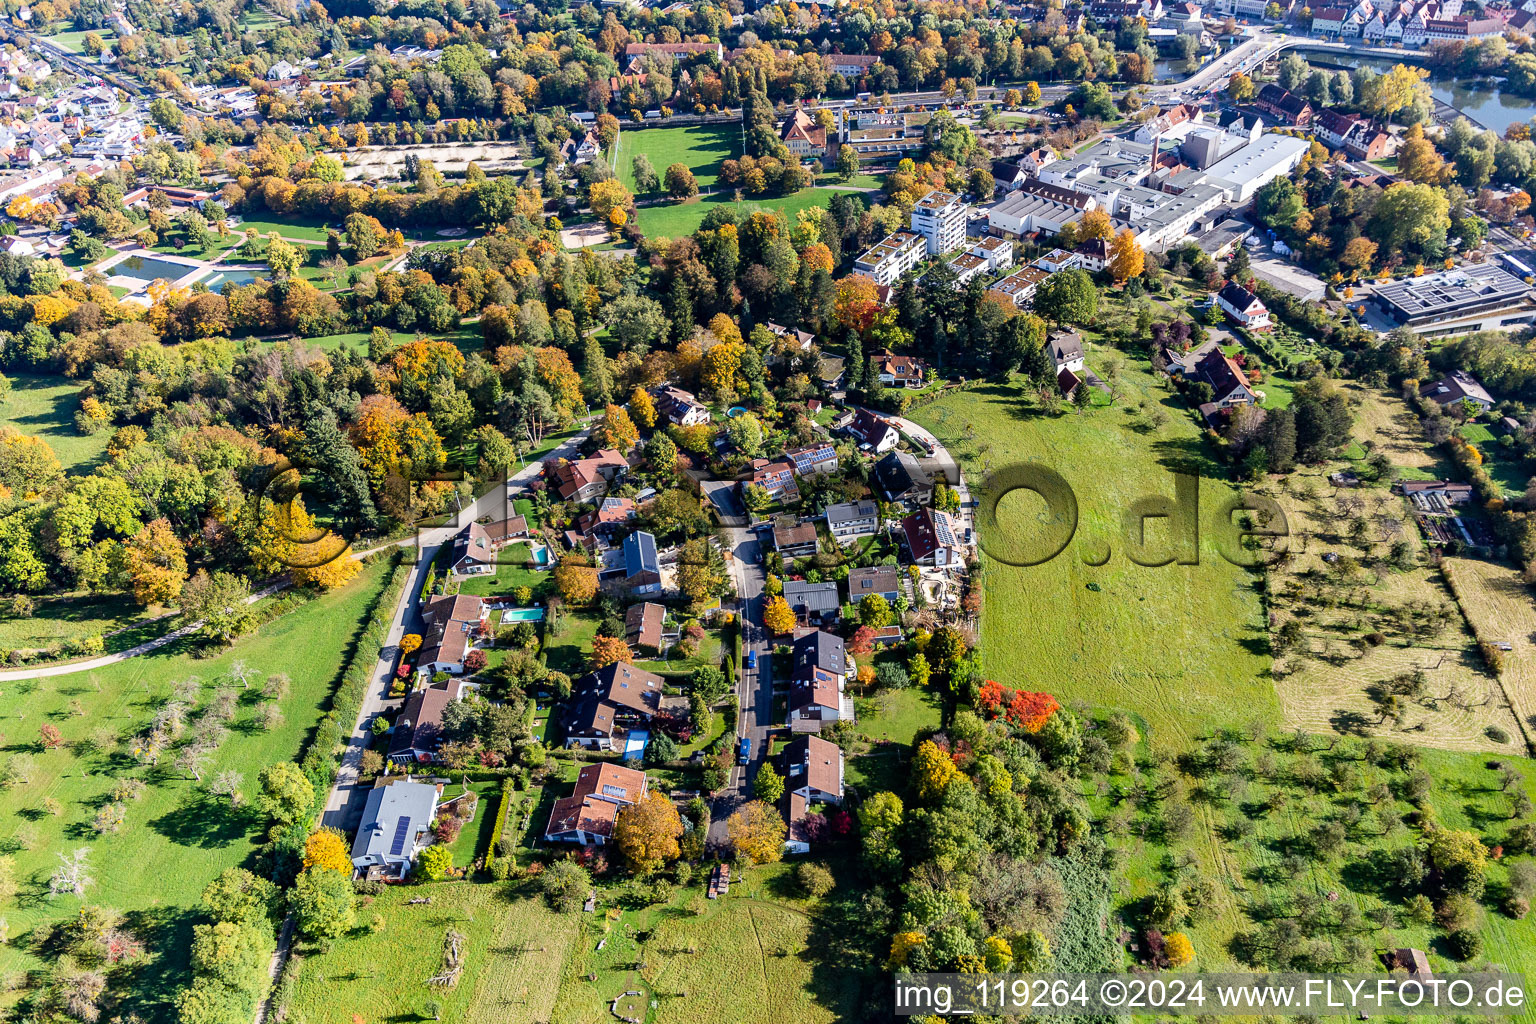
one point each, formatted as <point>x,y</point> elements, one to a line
<point>693,513</point>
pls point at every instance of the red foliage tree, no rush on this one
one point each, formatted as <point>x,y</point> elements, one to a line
<point>50,736</point>
<point>1030,711</point>
<point>991,699</point>
<point>474,661</point>
<point>863,641</point>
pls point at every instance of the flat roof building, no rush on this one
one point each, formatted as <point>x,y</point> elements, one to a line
<point>1478,297</point>
<point>887,260</point>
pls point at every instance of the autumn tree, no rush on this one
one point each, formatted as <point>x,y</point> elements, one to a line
<point>768,786</point>
<point>1126,259</point>
<point>327,848</point>
<point>932,768</point>
<point>410,644</point>
<point>607,196</point>
<point>680,182</point>
<point>1096,224</point>
<point>757,832</point>
<point>778,617</point>
<point>156,564</point>
<point>1240,88</point>
<point>642,408</point>
<point>617,430</point>
<point>574,582</point>
<point>647,832</point>
<point>607,650</point>
<point>1178,949</point>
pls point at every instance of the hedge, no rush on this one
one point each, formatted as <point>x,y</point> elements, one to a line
<point>500,824</point>
<point>322,757</point>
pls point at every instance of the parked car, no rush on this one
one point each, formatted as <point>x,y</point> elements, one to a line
<point>745,755</point>
<point>752,661</point>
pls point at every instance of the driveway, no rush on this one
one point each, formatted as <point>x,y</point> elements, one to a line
<point>726,499</point>
<point>754,691</point>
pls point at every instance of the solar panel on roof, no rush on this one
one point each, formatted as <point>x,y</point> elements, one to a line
<point>402,829</point>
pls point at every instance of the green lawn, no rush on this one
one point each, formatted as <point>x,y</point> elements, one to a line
<point>677,220</point>
<point>177,836</point>
<point>307,230</point>
<point>700,148</point>
<point>468,339</point>
<point>45,406</point>
<point>570,651</point>
<point>212,253</point>
<point>74,42</point>
<point>897,715</point>
<point>1182,646</point>
<point>56,620</point>
<point>514,951</point>
<point>475,838</point>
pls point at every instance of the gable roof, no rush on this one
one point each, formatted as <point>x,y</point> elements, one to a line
<point>420,724</point>
<point>899,474</point>
<point>814,762</point>
<point>1065,346</point>
<point>927,531</point>
<point>818,649</point>
<point>1238,297</point>
<point>869,427</point>
<point>1222,374</point>
<point>640,554</point>
<point>642,623</point>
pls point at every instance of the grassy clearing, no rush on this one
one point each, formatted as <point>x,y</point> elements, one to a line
<point>1181,646</point>
<point>700,148</point>
<point>514,949</point>
<point>309,231</point>
<point>897,716</point>
<point>1498,604</point>
<point>677,220</point>
<point>176,837</point>
<point>58,619</point>
<point>74,42</point>
<point>467,339</point>
<point>45,406</point>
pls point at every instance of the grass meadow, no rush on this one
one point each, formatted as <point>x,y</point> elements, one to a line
<point>176,837</point>
<point>45,407</point>
<point>1182,647</point>
<point>700,148</point>
<point>674,220</point>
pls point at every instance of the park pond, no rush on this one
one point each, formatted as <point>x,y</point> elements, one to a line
<point>233,277</point>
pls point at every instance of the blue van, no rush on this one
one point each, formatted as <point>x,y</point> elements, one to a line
<point>746,751</point>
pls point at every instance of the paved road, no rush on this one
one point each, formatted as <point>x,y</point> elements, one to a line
<point>345,807</point>
<point>754,692</point>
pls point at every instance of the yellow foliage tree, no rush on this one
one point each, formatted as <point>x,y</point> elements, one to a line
<point>642,408</point>
<point>647,832</point>
<point>1178,949</point>
<point>778,616</point>
<point>722,366</point>
<point>607,196</point>
<point>757,832</point>
<point>330,574</point>
<point>410,644</point>
<point>932,769</point>
<point>617,430</point>
<point>1095,224</point>
<point>1126,259</point>
<point>902,944</point>
<point>156,564</point>
<point>327,848</point>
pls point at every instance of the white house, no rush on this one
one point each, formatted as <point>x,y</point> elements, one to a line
<point>1243,306</point>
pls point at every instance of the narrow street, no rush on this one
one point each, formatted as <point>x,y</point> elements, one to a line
<point>345,807</point>
<point>754,691</point>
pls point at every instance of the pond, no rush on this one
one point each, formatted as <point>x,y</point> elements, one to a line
<point>150,268</point>
<point>1480,99</point>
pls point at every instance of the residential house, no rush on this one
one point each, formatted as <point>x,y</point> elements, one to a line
<point>1008,175</point>
<point>642,565</point>
<point>812,459</point>
<point>1093,254</point>
<point>475,546</point>
<point>282,71</point>
<point>1057,260</point>
<point>588,478</point>
<point>1067,383</point>
<point>680,407</point>
<point>1036,159</point>
<point>776,477</point>
<point>940,218</point>
<point>1229,384</point>
<point>1066,348</point>
<point>604,522</point>
<point>1243,306</point>
<point>813,774</point>
<point>875,434</point>
<point>812,603</point>
<point>418,729</point>
<point>645,626</point>
<point>453,623</point>
<point>1284,105</point>
<point>849,521</point>
<point>884,580</point>
<point>899,477</point>
<point>1458,386</point>
<point>801,339</point>
<point>633,52</point>
<point>396,825</point>
<point>606,704</point>
<point>932,539</point>
<point>996,251</point>
<point>588,815</point>
<point>852,65</point>
<point>900,371</point>
<point>794,539</point>
<point>1021,285</point>
<point>885,261</point>
<point>817,676</point>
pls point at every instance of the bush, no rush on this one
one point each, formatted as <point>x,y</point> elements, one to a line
<point>1465,944</point>
<point>814,879</point>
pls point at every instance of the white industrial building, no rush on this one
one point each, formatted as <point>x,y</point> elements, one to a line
<point>1252,167</point>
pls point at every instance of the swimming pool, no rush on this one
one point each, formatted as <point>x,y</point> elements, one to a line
<point>522,615</point>
<point>234,277</point>
<point>149,268</point>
